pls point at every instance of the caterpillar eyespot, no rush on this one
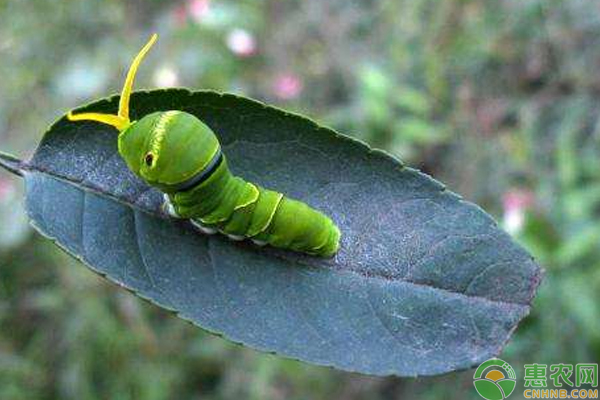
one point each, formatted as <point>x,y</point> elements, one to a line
<point>149,159</point>
<point>197,184</point>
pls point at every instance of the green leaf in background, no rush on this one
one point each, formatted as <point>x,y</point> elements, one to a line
<point>417,130</point>
<point>424,283</point>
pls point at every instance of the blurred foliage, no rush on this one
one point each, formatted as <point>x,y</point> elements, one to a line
<point>499,99</point>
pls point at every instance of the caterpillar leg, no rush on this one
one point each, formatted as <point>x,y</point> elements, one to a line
<point>237,238</point>
<point>168,207</point>
<point>202,228</point>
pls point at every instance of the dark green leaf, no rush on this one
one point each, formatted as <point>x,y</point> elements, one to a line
<point>424,283</point>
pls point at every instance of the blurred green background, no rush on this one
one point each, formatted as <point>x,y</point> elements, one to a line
<point>498,99</point>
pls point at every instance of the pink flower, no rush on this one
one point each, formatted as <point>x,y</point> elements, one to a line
<point>198,9</point>
<point>287,86</point>
<point>179,15</point>
<point>516,202</point>
<point>241,42</point>
<point>517,199</point>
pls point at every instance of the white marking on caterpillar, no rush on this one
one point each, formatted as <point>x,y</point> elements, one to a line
<point>204,229</point>
<point>168,207</point>
<point>259,242</point>
<point>160,131</point>
<point>236,237</point>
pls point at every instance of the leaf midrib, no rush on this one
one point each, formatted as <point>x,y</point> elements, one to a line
<point>26,167</point>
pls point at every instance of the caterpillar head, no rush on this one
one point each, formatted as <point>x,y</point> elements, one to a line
<point>167,149</point>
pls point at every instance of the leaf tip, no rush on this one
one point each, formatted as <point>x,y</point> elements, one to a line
<point>11,163</point>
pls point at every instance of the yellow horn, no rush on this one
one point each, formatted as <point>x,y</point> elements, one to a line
<point>120,121</point>
<point>109,119</point>
<point>126,92</point>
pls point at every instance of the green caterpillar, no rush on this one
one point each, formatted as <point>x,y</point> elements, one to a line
<point>178,154</point>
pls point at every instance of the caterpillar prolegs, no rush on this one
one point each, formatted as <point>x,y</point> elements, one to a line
<point>177,153</point>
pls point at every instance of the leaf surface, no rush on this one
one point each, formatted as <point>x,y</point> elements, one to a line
<point>424,282</point>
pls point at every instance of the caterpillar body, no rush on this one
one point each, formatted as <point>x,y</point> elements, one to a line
<point>181,156</point>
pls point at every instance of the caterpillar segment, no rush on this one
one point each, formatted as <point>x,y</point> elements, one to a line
<point>177,153</point>
<point>242,210</point>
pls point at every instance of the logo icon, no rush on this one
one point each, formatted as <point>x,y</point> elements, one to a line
<point>495,379</point>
